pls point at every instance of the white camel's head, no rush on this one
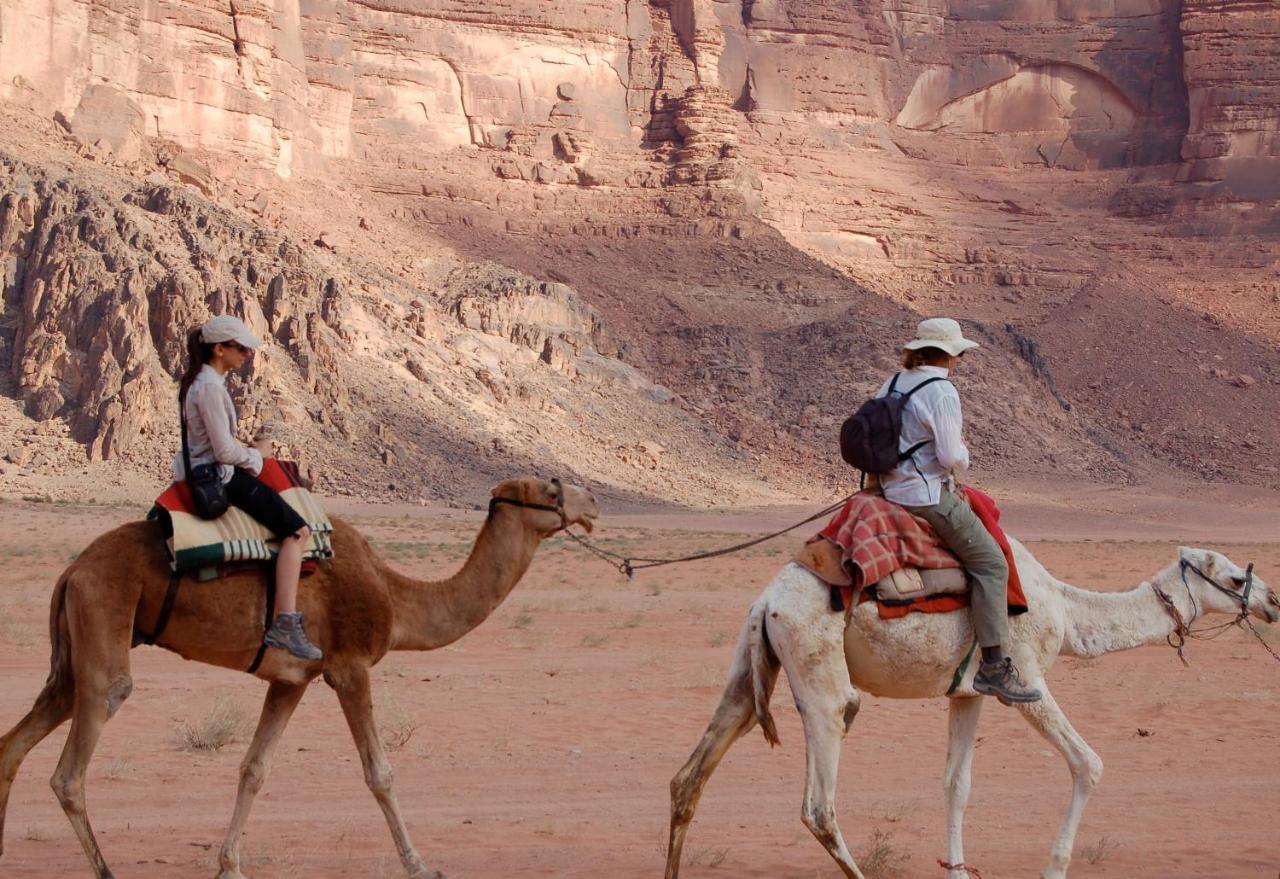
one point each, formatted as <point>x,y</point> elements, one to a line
<point>1219,585</point>
<point>546,504</point>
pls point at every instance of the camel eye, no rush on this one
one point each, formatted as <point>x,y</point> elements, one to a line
<point>1239,581</point>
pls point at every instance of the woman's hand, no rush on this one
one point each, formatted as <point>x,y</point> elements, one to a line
<point>264,447</point>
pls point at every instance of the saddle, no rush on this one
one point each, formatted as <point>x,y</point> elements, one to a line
<point>900,587</point>
<point>875,550</point>
<point>234,543</point>
<point>218,547</point>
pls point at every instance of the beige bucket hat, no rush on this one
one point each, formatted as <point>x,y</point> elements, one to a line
<point>943,333</point>
<point>228,328</point>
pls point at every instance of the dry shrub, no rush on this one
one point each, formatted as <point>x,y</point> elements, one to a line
<point>395,726</point>
<point>705,856</point>
<point>882,859</point>
<point>224,723</point>
<point>1098,851</point>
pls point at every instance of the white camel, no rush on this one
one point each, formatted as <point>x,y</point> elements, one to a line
<point>916,657</point>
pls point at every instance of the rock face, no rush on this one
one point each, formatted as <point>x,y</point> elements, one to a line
<point>1232,62</point>
<point>719,183</point>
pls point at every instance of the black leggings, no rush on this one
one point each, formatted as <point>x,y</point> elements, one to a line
<point>264,504</point>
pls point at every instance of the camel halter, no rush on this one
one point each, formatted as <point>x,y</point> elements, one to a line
<point>558,507</point>
<point>1183,630</point>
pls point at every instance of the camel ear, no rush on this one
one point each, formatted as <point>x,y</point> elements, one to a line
<point>1202,559</point>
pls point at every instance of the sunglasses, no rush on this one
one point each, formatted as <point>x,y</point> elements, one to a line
<point>236,345</point>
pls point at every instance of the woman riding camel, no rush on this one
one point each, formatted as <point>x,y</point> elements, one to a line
<point>222,344</point>
<point>925,483</point>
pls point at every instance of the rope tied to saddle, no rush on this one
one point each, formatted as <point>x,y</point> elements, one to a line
<point>1184,629</point>
<point>628,565</point>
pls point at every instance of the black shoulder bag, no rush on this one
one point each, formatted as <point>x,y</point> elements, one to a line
<point>208,491</point>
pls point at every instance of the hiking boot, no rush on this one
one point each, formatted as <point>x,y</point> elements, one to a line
<point>1001,679</point>
<point>287,634</point>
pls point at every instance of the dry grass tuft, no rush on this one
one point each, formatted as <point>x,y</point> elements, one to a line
<point>705,856</point>
<point>36,833</point>
<point>395,726</point>
<point>595,639</point>
<point>881,859</point>
<point>1098,851</point>
<point>117,769</point>
<point>224,723</point>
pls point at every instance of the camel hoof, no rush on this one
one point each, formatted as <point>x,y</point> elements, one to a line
<point>426,874</point>
<point>232,874</point>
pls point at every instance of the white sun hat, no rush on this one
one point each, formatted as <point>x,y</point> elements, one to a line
<point>943,333</point>
<point>228,328</point>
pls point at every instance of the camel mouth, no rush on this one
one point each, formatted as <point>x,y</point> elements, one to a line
<point>587,521</point>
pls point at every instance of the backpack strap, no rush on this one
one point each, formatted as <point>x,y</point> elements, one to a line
<point>928,381</point>
<point>910,453</point>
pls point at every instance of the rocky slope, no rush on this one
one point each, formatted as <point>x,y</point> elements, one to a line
<point>745,202</point>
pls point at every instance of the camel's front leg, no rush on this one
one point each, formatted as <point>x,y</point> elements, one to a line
<point>277,708</point>
<point>962,737</point>
<point>809,639</point>
<point>352,685</point>
<point>1085,766</point>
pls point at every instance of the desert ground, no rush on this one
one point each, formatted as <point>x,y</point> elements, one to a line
<point>542,743</point>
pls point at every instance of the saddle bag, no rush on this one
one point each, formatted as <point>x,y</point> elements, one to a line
<point>208,491</point>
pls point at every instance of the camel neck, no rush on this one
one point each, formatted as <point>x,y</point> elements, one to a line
<point>1105,622</point>
<point>431,614</point>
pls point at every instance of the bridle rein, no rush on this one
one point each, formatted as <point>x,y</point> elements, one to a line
<point>558,507</point>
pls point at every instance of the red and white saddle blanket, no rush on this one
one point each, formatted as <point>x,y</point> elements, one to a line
<point>870,538</point>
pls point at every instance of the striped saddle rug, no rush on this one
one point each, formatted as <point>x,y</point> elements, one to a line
<point>215,547</point>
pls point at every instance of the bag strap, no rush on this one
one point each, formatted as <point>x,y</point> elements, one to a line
<point>186,449</point>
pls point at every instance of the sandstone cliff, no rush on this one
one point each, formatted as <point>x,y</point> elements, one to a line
<point>744,202</point>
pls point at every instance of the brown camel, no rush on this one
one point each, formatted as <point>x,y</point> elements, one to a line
<point>357,608</point>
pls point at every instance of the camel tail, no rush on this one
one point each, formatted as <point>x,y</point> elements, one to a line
<point>60,674</point>
<point>764,670</point>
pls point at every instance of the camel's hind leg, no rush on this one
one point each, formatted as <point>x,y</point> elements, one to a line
<point>962,737</point>
<point>734,718</point>
<point>1085,766</point>
<point>100,660</point>
<point>51,709</point>
<point>809,639</point>
<point>277,708</point>
<point>352,686</point>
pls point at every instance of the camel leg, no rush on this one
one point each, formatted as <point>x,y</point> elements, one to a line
<point>811,647</point>
<point>962,737</point>
<point>352,686</point>
<point>277,708</point>
<point>51,709</point>
<point>734,717</point>
<point>1085,766</point>
<point>100,662</point>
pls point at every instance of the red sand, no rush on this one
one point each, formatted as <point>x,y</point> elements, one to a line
<point>547,737</point>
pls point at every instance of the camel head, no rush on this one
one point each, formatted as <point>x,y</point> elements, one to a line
<point>1219,585</point>
<point>546,505</point>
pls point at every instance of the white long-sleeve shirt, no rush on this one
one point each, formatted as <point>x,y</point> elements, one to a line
<point>211,429</point>
<point>932,414</point>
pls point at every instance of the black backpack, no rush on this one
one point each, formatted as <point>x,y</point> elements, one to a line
<point>869,438</point>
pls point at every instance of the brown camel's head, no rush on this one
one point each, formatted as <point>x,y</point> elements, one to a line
<point>1220,585</point>
<point>547,505</point>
